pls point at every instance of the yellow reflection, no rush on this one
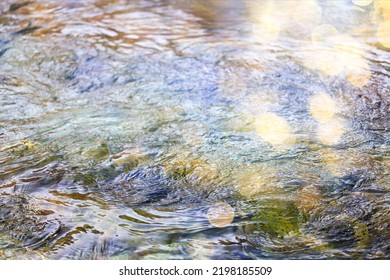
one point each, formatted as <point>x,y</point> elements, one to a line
<point>26,145</point>
<point>128,157</point>
<point>322,107</point>
<point>274,129</point>
<point>383,33</point>
<point>220,215</point>
<point>330,133</point>
<point>358,73</point>
<point>362,2</point>
<point>384,4</point>
<point>190,166</point>
<point>382,8</point>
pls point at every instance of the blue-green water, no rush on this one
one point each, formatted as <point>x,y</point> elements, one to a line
<point>175,130</point>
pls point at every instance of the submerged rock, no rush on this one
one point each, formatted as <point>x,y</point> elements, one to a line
<point>32,228</point>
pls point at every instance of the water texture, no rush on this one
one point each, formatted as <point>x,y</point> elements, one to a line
<point>175,129</point>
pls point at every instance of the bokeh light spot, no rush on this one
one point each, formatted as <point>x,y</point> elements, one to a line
<point>220,215</point>
<point>383,33</point>
<point>274,129</point>
<point>322,107</point>
<point>362,2</point>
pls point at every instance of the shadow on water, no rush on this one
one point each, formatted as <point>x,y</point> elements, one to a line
<point>182,130</point>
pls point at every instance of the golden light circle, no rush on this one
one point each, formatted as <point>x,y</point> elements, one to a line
<point>383,33</point>
<point>273,129</point>
<point>362,2</point>
<point>322,107</point>
<point>382,8</point>
<point>220,215</point>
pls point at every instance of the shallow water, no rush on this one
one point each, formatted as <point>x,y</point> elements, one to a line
<point>174,130</point>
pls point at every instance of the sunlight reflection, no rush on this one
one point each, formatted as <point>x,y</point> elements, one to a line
<point>382,7</point>
<point>322,107</point>
<point>195,129</point>
<point>220,215</point>
<point>383,33</point>
<point>274,130</point>
<point>362,2</point>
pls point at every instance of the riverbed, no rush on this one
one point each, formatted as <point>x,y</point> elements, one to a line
<point>194,130</point>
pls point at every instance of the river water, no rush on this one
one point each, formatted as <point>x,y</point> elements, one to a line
<point>194,130</point>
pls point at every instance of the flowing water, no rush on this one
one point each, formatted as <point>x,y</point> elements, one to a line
<point>194,130</point>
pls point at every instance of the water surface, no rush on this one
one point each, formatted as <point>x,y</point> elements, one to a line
<point>180,130</point>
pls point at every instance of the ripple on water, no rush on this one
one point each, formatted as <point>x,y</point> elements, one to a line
<point>30,227</point>
<point>177,130</point>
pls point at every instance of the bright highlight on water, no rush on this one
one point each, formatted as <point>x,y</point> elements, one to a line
<point>194,129</point>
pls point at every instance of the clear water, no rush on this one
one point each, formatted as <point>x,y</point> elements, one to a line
<point>174,130</point>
